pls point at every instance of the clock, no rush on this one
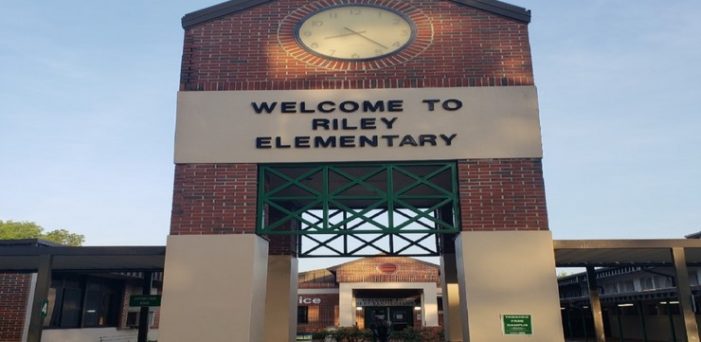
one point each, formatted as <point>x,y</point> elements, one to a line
<point>355,32</point>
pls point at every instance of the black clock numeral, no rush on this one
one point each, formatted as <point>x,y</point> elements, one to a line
<point>315,45</point>
<point>355,11</point>
<point>355,55</point>
<point>396,21</point>
<point>405,33</point>
<point>307,33</point>
<point>378,52</point>
<point>317,23</point>
<point>396,44</point>
<point>333,15</point>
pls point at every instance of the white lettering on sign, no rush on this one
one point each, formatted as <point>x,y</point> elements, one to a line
<point>308,300</point>
<point>385,301</point>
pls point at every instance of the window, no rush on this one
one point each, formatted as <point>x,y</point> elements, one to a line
<point>647,284</point>
<point>133,318</point>
<point>663,282</point>
<point>302,314</point>
<point>626,286</point>
<point>610,288</point>
<point>80,301</point>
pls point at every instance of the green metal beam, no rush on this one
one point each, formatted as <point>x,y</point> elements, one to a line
<point>399,205</point>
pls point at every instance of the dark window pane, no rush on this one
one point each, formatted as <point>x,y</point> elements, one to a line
<point>302,314</point>
<point>92,307</point>
<point>70,311</point>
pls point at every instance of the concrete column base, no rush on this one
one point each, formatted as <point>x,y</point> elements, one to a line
<point>452,324</point>
<point>281,299</point>
<point>214,288</point>
<point>508,273</point>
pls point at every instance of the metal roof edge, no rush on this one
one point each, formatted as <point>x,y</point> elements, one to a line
<point>29,243</point>
<point>218,10</point>
<point>232,6</point>
<point>500,8</point>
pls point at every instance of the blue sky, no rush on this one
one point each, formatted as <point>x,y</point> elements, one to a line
<point>87,109</point>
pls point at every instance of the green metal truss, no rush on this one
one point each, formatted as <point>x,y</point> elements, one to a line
<point>359,209</point>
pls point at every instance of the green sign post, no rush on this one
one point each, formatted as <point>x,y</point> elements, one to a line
<point>517,324</point>
<point>145,300</point>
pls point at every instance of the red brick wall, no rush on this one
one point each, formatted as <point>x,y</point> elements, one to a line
<point>502,194</point>
<point>322,315</point>
<point>470,47</point>
<point>14,293</point>
<point>408,270</point>
<point>214,199</point>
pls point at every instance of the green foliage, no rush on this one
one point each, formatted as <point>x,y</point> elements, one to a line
<point>11,230</point>
<point>419,334</point>
<point>352,334</point>
<point>320,335</point>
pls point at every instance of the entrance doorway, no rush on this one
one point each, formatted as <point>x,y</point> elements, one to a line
<point>399,317</point>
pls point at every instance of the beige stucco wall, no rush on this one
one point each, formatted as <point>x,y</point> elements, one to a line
<point>494,122</point>
<point>214,288</point>
<point>281,299</point>
<point>508,273</point>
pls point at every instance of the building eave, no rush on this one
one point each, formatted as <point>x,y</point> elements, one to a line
<point>233,6</point>
<point>217,11</point>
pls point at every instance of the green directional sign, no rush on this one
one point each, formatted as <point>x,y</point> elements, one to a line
<point>145,300</point>
<point>517,324</point>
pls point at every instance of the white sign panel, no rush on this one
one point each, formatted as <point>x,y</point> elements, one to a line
<point>357,125</point>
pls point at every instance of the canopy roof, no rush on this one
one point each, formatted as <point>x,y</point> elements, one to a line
<point>24,255</point>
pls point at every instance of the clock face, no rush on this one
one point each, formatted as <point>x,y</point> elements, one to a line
<point>355,32</point>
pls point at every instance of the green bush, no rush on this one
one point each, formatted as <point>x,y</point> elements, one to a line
<point>352,334</point>
<point>419,334</point>
<point>320,335</point>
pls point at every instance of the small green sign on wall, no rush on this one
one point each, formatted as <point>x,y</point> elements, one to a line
<point>145,300</point>
<point>517,324</point>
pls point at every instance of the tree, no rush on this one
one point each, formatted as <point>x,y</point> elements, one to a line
<point>11,230</point>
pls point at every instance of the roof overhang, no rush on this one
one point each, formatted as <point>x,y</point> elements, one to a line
<point>233,6</point>
<point>616,253</point>
<point>568,253</point>
<point>89,259</point>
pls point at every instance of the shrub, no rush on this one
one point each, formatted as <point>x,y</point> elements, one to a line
<point>419,334</point>
<point>353,334</point>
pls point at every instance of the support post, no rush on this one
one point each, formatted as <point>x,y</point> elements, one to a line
<point>452,326</point>
<point>143,312</point>
<point>684,293</point>
<point>346,309</point>
<point>41,295</point>
<point>281,299</point>
<point>214,288</point>
<point>429,306</point>
<point>507,272</point>
<point>595,305</point>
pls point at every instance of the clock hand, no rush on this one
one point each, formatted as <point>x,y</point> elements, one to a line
<point>364,36</point>
<point>343,35</point>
